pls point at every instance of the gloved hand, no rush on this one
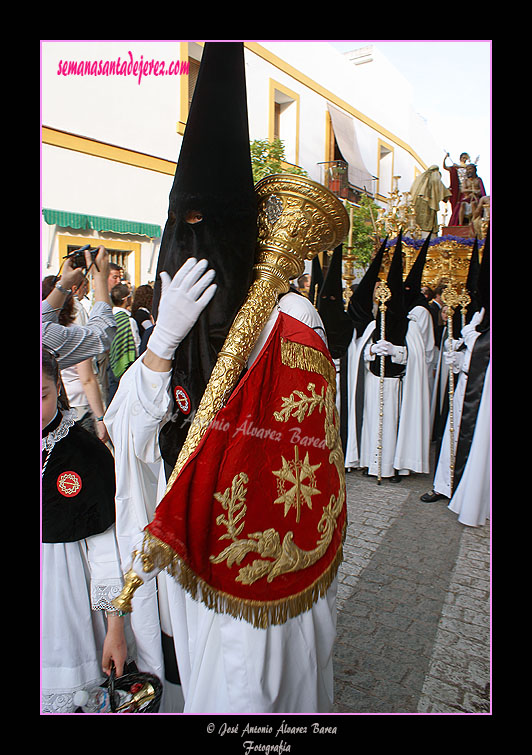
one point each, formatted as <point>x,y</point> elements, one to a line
<point>453,344</point>
<point>183,299</point>
<point>470,330</point>
<point>454,359</point>
<point>383,348</point>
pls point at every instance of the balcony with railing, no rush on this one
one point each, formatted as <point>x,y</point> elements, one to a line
<point>333,175</point>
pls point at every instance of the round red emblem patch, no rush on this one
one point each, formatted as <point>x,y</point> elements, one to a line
<point>182,399</point>
<point>69,484</point>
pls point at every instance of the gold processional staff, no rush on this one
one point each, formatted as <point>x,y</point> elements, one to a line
<point>451,298</point>
<point>382,294</point>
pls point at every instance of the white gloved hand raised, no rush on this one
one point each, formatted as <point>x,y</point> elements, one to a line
<point>478,317</point>
<point>183,299</point>
<point>469,331</point>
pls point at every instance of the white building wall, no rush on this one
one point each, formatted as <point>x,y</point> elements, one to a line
<point>113,109</point>
<point>143,117</point>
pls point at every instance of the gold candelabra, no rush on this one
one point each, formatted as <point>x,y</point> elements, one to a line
<point>399,214</point>
<point>348,273</point>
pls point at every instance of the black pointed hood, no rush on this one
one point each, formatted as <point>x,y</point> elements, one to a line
<point>338,325</point>
<point>484,284</point>
<point>360,307</point>
<point>213,178</point>
<point>412,284</point>
<point>471,287</point>
<point>395,320</point>
<point>471,283</point>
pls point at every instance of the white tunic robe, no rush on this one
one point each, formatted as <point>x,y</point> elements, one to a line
<point>354,355</point>
<point>442,476</point>
<point>412,451</point>
<point>79,581</point>
<point>471,499</point>
<point>369,447</point>
<point>133,420</point>
<point>226,665</point>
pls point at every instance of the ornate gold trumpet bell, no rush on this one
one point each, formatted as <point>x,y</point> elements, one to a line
<point>297,219</point>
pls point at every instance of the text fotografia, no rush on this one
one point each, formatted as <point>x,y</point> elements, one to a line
<point>120,67</point>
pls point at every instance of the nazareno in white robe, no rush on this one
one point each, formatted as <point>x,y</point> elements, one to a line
<point>369,453</point>
<point>225,664</point>
<point>354,356</point>
<point>471,499</point>
<point>406,412</point>
<point>412,451</point>
<point>442,475</point>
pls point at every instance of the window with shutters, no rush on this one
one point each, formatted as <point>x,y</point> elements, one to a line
<point>284,119</point>
<point>385,164</point>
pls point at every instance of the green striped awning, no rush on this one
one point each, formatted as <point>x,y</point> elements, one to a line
<point>76,220</point>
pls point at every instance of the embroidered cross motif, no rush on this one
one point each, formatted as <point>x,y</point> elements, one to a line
<point>294,473</point>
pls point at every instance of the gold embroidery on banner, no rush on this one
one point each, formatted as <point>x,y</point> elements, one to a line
<point>294,473</point>
<point>275,558</point>
<point>288,557</point>
<point>260,613</point>
<point>300,406</point>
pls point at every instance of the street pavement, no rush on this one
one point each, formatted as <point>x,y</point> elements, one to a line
<point>413,627</point>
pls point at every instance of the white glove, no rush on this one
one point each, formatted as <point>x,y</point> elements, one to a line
<point>453,344</point>
<point>477,317</point>
<point>470,330</point>
<point>183,299</point>
<point>383,348</point>
<point>454,359</point>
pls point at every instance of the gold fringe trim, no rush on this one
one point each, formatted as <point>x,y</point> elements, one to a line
<point>258,613</point>
<point>307,358</point>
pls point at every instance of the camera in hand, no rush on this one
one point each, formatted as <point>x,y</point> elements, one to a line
<point>77,257</point>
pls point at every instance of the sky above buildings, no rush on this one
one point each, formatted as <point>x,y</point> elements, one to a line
<point>451,83</point>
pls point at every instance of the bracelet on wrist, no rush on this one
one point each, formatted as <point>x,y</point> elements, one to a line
<point>114,613</point>
<point>62,289</point>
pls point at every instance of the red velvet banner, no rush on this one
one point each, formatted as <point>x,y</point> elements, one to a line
<point>258,511</point>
